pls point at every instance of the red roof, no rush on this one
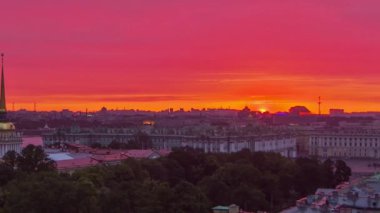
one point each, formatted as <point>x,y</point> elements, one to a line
<point>137,153</point>
<point>164,152</point>
<point>104,156</point>
<point>101,151</point>
<point>76,163</point>
<point>110,157</point>
<point>89,161</point>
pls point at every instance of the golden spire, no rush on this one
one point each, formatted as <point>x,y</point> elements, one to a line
<point>3,107</point>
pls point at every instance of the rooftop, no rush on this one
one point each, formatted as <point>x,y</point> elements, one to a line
<point>358,194</point>
<point>76,160</point>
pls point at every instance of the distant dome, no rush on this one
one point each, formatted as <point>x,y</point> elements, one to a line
<point>103,109</point>
<point>7,126</point>
<point>299,110</point>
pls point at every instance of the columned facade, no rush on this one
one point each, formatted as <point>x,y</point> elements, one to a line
<point>346,145</point>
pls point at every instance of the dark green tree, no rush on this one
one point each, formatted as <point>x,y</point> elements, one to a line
<point>34,159</point>
<point>308,176</point>
<point>342,172</point>
<point>10,158</point>
<point>216,190</point>
<point>249,198</point>
<point>189,198</point>
<point>49,192</point>
<point>155,169</point>
<point>328,177</point>
<point>7,173</point>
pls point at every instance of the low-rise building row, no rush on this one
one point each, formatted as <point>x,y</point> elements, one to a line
<point>280,143</point>
<point>358,196</point>
<point>356,144</point>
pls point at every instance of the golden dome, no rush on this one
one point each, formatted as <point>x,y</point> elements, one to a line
<point>7,126</point>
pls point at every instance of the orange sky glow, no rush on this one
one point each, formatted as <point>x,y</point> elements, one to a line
<point>154,55</point>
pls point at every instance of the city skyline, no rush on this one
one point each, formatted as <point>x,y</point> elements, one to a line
<point>153,56</point>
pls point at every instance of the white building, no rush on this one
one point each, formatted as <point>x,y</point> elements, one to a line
<point>346,144</point>
<point>286,146</point>
<point>282,144</point>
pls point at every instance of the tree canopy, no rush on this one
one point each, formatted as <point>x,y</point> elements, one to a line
<point>186,180</point>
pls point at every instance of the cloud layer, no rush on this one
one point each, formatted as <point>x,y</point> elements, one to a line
<point>155,54</point>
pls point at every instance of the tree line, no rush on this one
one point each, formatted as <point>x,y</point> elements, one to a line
<point>187,180</point>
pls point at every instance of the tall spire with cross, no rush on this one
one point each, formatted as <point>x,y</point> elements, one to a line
<point>3,107</point>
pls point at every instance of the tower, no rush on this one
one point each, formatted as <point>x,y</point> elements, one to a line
<point>319,105</point>
<point>3,106</point>
<point>10,138</point>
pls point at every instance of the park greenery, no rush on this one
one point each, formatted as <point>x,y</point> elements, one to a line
<point>187,180</point>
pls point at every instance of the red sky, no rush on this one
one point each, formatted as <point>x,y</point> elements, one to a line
<point>156,54</point>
